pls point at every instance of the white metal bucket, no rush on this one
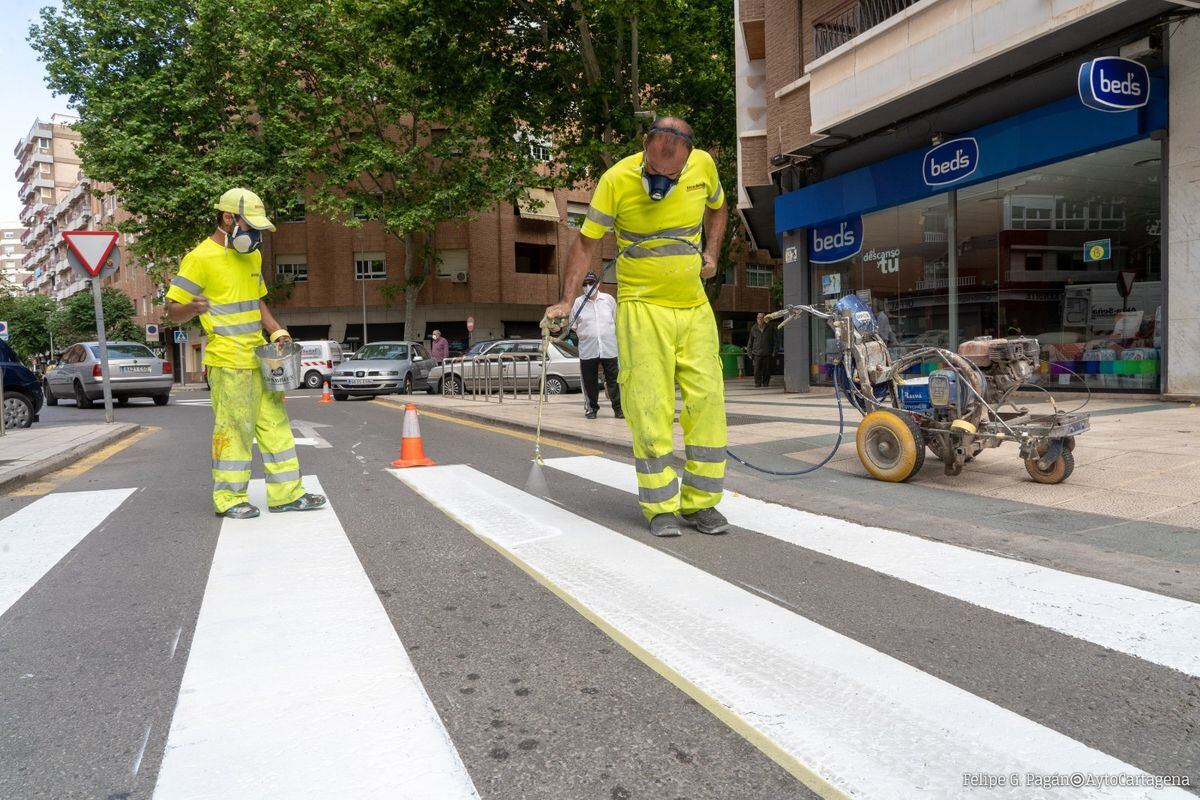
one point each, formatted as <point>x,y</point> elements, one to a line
<point>280,365</point>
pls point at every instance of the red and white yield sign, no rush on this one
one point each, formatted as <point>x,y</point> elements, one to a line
<point>92,248</point>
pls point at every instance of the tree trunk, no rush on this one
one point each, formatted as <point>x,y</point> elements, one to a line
<point>411,289</point>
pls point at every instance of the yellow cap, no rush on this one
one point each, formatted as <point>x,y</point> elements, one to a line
<point>247,205</point>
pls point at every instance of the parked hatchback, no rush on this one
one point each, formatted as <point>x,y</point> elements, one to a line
<point>383,368</point>
<point>134,371</point>
<point>22,393</point>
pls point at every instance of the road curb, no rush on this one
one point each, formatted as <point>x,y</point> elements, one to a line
<point>67,457</point>
<point>548,431</point>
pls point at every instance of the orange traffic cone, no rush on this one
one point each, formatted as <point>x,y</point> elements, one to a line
<point>412,451</point>
<point>325,398</point>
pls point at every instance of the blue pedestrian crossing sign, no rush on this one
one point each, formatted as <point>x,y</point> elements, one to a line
<point>180,337</point>
<point>3,331</point>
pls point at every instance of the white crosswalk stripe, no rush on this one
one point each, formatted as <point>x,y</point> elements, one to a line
<point>297,684</point>
<point>1159,629</point>
<point>38,536</point>
<point>848,720</point>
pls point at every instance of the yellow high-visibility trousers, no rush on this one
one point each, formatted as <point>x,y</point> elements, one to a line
<point>243,409</point>
<point>659,347</point>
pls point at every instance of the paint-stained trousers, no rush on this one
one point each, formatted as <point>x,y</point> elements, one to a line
<point>659,347</point>
<point>243,409</point>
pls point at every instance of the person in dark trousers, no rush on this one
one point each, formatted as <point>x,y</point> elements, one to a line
<point>761,348</point>
<point>596,327</point>
<point>441,348</point>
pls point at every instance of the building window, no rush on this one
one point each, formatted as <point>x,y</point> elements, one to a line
<point>47,195</point>
<point>576,213</point>
<point>540,151</point>
<point>295,212</point>
<point>9,249</point>
<point>293,268</point>
<point>9,235</point>
<point>730,276</point>
<point>759,276</point>
<point>534,258</point>
<point>369,267</point>
<point>453,262</point>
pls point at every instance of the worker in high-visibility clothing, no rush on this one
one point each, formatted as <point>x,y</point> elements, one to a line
<point>666,331</point>
<point>221,281</point>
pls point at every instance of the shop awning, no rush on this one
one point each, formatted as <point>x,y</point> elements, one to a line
<point>538,204</point>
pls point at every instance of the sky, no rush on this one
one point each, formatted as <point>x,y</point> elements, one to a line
<point>23,94</point>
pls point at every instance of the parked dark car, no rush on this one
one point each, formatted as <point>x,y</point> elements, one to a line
<point>22,391</point>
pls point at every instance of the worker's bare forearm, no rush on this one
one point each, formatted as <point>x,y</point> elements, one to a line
<point>180,313</point>
<point>578,261</point>
<point>715,220</point>
<point>268,319</point>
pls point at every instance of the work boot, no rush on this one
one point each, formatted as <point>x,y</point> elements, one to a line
<point>619,414</point>
<point>306,502</point>
<point>707,520</point>
<point>240,511</point>
<point>589,414</point>
<point>665,525</point>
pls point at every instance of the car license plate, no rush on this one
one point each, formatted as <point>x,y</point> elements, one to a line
<point>359,381</point>
<point>135,369</point>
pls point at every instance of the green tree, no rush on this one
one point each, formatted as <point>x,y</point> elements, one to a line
<point>29,323</point>
<point>80,317</point>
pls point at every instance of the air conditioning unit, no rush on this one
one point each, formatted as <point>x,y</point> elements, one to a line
<point>459,277</point>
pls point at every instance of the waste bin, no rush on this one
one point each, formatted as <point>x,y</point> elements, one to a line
<point>731,356</point>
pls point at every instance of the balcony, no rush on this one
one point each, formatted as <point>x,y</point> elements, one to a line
<point>28,212</point>
<point>881,60</point>
<point>752,16</point>
<point>834,30</point>
<point>39,130</point>
<point>25,168</point>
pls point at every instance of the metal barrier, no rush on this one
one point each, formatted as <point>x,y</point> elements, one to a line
<point>475,377</point>
<point>833,31</point>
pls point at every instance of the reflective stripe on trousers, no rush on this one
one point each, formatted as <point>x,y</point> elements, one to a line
<point>242,410</point>
<point>660,347</point>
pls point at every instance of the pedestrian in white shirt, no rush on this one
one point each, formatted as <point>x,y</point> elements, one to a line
<point>596,326</point>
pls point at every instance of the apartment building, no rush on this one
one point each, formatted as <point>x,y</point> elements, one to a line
<point>983,167</point>
<point>12,256</point>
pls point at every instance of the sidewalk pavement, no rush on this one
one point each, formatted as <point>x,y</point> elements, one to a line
<point>29,453</point>
<point>1140,460</point>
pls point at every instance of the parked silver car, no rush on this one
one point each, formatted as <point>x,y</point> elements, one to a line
<point>134,371</point>
<point>383,368</point>
<point>516,361</point>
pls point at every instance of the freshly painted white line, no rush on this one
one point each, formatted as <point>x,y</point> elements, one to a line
<point>837,713</point>
<point>296,685</point>
<point>175,644</point>
<point>38,536</point>
<point>1159,629</point>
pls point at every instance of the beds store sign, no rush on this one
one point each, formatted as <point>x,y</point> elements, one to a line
<point>835,241</point>
<point>1114,84</point>
<point>950,162</point>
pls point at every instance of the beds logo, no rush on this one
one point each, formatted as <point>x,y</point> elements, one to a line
<point>1114,84</point>
<point>950,161</point>
<point>835,241</point>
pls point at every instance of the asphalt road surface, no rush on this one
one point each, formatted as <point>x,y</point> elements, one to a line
<point>441,633</point>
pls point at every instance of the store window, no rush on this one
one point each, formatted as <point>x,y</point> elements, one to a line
<point>1068,254</point>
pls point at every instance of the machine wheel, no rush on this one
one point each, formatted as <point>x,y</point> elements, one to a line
<point>555,385</point>
<point>1059,471</point>
<point>890,446</point>
<point>313,380</point>
<point>81,398</point>
<point>51,398</point>
<point>1069,444</point>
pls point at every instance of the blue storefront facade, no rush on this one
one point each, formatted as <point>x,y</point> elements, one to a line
<point>1048,223</point>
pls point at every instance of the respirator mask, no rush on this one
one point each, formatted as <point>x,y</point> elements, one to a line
<point>659,186</point>
<point>243,240</point>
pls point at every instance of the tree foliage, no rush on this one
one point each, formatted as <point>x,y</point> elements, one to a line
<point>79,316</point>
<point>29,323</point>
<point>407,113</point>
